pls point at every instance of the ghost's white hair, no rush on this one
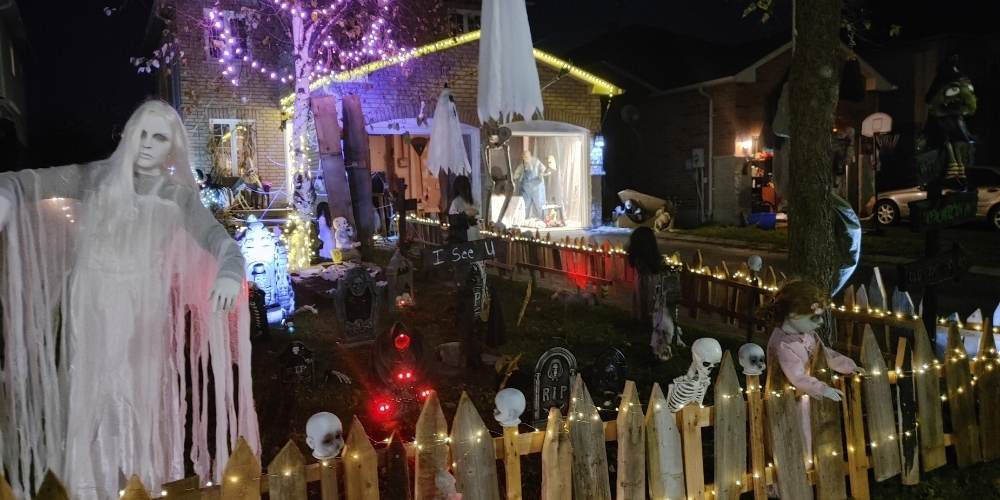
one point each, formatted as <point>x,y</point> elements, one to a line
<point>178,163</point>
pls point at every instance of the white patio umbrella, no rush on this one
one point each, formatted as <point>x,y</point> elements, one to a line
<point>508,77</point>
<point>447,150</point>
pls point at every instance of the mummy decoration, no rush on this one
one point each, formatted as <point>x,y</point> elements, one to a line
<point>267,267</point>
<point>692,386</point>
<point>325,435</point>
<point>509,407</point>
<point>752,359</point>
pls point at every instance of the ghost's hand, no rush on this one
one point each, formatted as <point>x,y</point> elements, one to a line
<point>224,294</point>
<point>833,394</point>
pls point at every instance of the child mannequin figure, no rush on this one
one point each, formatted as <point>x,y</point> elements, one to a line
<point>797,310</point>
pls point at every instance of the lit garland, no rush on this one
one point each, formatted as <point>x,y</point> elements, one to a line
<point>600,86</point>
<point>298,239</point>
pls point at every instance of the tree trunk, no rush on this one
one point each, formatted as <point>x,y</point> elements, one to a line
<point>300,118</point>
<point>814,84</point>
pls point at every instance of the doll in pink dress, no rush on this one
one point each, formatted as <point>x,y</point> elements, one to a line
<point>798,310</point>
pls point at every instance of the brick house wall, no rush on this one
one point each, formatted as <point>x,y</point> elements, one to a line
<point>206,95</point>
<point>390,93</point>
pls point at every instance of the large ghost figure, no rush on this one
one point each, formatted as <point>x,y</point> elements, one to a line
<point>118,289</point>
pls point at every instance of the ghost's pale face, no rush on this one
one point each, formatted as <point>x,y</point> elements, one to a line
<point>804,323</point>
<point>525,156</point>
<point>155,141</point>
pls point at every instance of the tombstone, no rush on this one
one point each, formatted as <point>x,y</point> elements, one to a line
<point>357,302</point>
<point>259,327</point>
<point>399,275</point>
<point>297,364</point>
<point>554,374</point>
<point>609,375</point>
<point>267,267</point>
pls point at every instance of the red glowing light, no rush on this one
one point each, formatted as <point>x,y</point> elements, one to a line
<point>383,407</point>
<point>401,341</point>
<point>405,376</point>
<point>425,393</point>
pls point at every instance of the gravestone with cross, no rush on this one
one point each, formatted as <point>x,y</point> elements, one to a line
<point>553,377</point>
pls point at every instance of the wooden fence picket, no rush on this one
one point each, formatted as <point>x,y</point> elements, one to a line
<point>906,414</point>
<point>827,448</point>
<point>557,459</point>
<point>664,456</point>
<point>329,486</point>
<point>691,443</point>
<point>432,449</point>
<point>183,489</point>
<point>879,409</point>
<point>854,434</point>
<point>988,394</point>
<point>929,407</point>
<point>397,484</point>
<point>134,490</point>
<point>473,453</point>
<point>755,410</point>
<point>631,471</point>
<point>241,478</point>
<point>360,465</point>
<point>784,421</point>
<point>6,493</point>
<point>51,488</point>
<point>730,432</point>
<point>590,457</point>
<point>961,401</point>
<point>286,474</point>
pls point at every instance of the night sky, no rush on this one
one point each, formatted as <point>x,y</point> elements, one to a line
<point>81,87</point>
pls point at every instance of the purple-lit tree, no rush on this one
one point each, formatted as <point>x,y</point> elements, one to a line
<point>295,42</point>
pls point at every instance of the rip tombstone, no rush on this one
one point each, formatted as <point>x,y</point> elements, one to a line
<point>356,303</point>
<point>297,364</point>
<point>553,376</point>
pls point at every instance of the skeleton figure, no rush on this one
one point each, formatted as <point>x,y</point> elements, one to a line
<point>691,387</point>
<point>752,359</point>
<point>325,435</point>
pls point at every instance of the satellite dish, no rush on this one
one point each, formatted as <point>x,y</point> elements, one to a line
<point>876,123</point>
<point>630,114</point>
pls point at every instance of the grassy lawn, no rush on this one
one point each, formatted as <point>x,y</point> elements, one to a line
<point>981,244</point>
<point>586,331</point>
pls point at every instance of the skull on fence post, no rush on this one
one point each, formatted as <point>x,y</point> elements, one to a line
<point>706,353</point>
<point>325,435</point>
<point>752,359</point>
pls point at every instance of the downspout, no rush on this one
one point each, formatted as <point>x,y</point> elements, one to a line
<point>710,156</point>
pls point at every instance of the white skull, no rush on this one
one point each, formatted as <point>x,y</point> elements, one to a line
<point>510,405</point>
<point>755,263</point>
<point>706,353</point>
<point>325,435</point>
<point>752,359</point>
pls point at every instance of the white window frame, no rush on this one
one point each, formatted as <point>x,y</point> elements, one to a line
<point>233,154</point>
<point>467,15</point>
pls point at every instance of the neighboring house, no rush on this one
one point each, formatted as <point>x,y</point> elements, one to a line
<point>713,126</point>
<point>696,126</point>
<point>13,132</point>
<point>392,97</point>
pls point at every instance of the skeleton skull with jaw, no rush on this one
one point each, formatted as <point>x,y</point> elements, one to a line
<point>325,435</point>
<point>752,359</point>
<point>706,353</point>
<point>509,407</point>
<point>691,387</point>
